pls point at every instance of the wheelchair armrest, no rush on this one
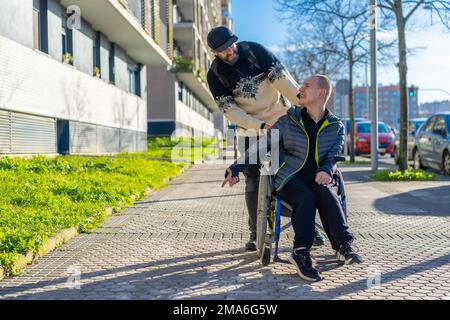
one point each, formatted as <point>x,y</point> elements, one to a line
<point>339,159</point>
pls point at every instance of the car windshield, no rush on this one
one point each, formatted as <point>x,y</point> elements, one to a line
<point>365,128</point>
<point>417,124</point>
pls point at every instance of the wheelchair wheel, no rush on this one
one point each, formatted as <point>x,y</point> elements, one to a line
<point>262,215</point>
<point>265,258</point>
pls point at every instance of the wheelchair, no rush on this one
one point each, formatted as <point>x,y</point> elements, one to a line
<point>271,207</point>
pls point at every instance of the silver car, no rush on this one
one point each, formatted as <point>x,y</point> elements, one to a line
<point>413,127</point>
<point>432,144</point>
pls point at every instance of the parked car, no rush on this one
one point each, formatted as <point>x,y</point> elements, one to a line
<point>432,144</point>
<point>347,123</point>
<point>413,128</point>
<point>362,138</point>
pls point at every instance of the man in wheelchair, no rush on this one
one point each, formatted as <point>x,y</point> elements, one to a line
<point>310,139</point>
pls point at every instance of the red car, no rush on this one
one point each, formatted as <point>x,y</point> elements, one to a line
<point>385,138</point>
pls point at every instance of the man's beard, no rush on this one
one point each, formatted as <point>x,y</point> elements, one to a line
<point>232,59</point>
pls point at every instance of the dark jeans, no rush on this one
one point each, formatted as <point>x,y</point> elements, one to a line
<point>251,190</point>
<point>305,196</point>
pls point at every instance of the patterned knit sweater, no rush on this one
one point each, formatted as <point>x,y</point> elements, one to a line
<point>252,94</point>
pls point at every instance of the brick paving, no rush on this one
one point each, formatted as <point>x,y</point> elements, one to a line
<point>186,242</point>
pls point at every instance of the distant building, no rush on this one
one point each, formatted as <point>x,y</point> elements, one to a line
<point>340,98</point>
<point>388,103</point>
<point>179,98</point>
<point>430,108</point>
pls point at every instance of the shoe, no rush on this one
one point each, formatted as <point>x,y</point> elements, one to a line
<point>319,239</point>
<point>250,245</point>
<point>347,255</point>
<point>301,259</point>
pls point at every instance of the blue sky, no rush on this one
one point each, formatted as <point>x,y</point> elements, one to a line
<point>256,20</point>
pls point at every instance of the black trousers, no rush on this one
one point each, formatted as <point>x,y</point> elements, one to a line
<point>306,196</point>
<point>251,174</point>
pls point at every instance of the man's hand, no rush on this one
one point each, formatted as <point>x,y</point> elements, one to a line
<point>323,178</point>
<point>267,126</point>
<point>230,179</point>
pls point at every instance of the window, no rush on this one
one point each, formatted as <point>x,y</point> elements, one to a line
<point>40,27</point>
<point>439,126</point>
<point>180,91</point>
<point>67,44</point>
<point>365,128</point>
<point>96,54</point>
<point>112,64</point>
<point>134,79</point>
<point>429,124</point>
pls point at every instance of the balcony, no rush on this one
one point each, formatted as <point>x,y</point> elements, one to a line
<point>195,79</point>
<point>113,19</point>
<point>183,34</point>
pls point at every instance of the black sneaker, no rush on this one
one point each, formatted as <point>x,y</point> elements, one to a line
<point>301,259</point>
<point>347,255</point>
<point>319,239</point>
<point>250,245</point>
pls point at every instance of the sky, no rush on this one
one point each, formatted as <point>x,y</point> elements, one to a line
<point>429,68</point>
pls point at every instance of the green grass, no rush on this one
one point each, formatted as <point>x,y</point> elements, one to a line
<point>356,162</point>
<point>40,197</point>
<point>408,175</point>
<point>182,149</point>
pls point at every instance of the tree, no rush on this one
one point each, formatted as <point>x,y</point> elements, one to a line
<point>350,35</point>
<point>403,11</point>
<point>314,51</point>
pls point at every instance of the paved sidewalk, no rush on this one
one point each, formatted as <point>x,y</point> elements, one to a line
<point>186,242</point>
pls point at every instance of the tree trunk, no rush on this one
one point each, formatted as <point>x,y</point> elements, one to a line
<point>403,70</point>
<point>351,107</point>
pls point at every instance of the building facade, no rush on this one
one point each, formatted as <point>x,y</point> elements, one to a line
<point>430,108</point>
<point>388,102</point>
<point>179,98</point>
<point>73,75</point>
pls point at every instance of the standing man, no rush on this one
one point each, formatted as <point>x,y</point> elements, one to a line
<point>252,88</point>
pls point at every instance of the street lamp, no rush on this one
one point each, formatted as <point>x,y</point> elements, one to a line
<point>374,86</point>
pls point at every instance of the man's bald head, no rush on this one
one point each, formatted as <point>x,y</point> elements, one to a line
<point>323,82</point>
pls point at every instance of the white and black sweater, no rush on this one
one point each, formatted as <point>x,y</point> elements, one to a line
<point>251,95</point>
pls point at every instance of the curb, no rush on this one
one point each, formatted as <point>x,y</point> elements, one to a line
<point>22,261</point>
<point>64,236</point>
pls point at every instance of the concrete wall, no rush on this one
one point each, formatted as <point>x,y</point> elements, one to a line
<point>192,119</point>
<point>55,14</point>
<point>121,69</point>
<point>161,94</point>
<point>83,54</point>
<point>35,83</point>
<point>105,47</point>
<point>13,12</point>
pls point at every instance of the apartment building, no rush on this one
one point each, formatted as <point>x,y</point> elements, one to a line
<point>73,74</point>
<point>388,103</point>
<point>179,97</point>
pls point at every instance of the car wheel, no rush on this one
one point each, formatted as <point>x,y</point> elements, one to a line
<point>446,163</point>
<point>396,155</point>
<point>417,161</point>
